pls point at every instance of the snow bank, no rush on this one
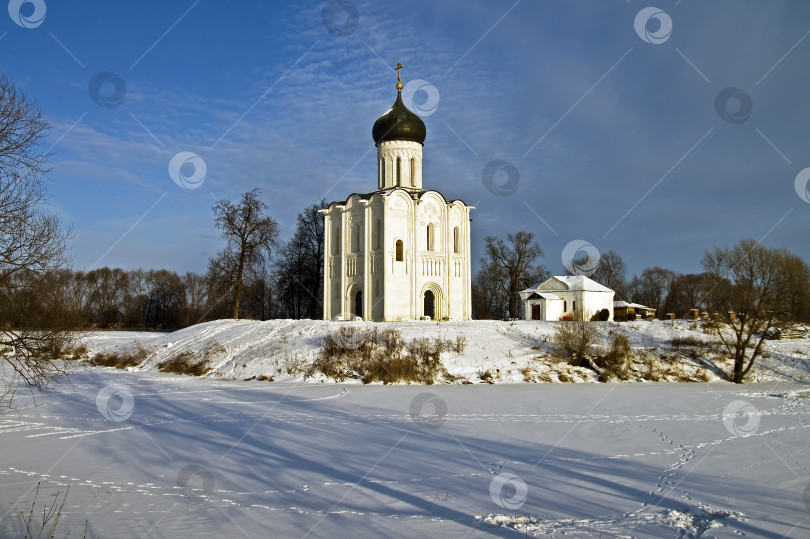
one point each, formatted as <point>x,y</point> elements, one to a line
<point>494,351</point>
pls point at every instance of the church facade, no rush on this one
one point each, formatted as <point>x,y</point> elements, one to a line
<point>400,252</point>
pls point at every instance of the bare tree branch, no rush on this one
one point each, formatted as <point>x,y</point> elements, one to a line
<point>749,280</point>
<point>250,234</point>
<point>33,331</point>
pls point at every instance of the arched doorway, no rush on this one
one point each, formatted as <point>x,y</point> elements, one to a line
<point>358,304</point>
<point>430,304</point>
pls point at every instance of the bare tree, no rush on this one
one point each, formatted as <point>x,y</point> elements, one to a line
<point>299,268</point>
<point>652,287</point>
<point>196,288</point>
<point>136,299</point>
<point>506,269</point>
<point>794,289</point>
<point>32,246</point>
<point>612,272</point>
<point>747,279</point>
<point>487,299</point>
<point>166,298</point>
<point>687,292</point>
<point>250,234</point>
<point>219,277</point>
<point>77,294</point>
<point>107,291</point>
<point>310,226</point>
<point>258,297</point>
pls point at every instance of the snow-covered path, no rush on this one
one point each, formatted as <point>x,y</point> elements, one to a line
<point>199,457</point>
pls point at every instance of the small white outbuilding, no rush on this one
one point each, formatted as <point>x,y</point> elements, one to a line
<point>558,297</point>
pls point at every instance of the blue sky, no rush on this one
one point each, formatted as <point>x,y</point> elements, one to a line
<point>616,134</point>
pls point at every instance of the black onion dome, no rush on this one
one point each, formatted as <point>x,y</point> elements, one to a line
<point>399,123</point>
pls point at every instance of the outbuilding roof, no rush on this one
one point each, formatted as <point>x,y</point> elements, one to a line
<point>620,304</point>
<point>566,283</point>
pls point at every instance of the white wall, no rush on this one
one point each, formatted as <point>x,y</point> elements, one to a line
<point>550,309</point>
<point>355,260</point>
<point>387,154</point>
<point>588,301</point>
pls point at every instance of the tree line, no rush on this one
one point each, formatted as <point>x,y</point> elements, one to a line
<point>286,282</point>
<point>255,277</point>
<point>286,285</point>
<point>510,266</point>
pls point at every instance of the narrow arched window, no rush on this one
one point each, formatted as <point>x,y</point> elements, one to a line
<point>336,240</point>
<point>455,240</point>
<point>382,173</point>
<point>377,234</point>
<point>430,237</point>
<point>399,172</point>
<point>399,250</point>
<point>413,172</point>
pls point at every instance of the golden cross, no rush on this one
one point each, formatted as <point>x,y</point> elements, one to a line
<point>399,72</point>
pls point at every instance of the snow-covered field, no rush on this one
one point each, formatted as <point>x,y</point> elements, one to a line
<point>151,454</point>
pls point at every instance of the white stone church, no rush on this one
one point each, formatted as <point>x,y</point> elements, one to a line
<point>401,252</point>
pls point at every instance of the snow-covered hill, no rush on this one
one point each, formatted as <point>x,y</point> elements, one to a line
<point>498,352</point>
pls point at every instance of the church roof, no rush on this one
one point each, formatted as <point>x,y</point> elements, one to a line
<point>415,194</point>
<point>399,123</point>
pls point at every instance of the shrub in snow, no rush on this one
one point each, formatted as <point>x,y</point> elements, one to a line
<point>373,355</point>
<point>653,372</point>
<point>47,521</point>
<point>688,341</point>
<point>185,363</point>
<point>616,362</point>
<point>576,338</point>
<point>601,316</point>
<point>122,359</point>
